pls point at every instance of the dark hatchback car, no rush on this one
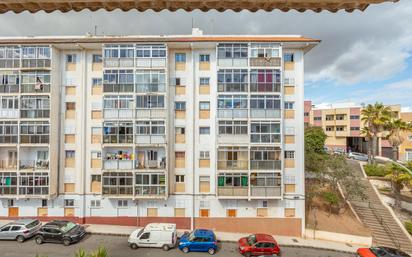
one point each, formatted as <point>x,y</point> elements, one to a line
<point>59,231</point>
<point>380,252</point>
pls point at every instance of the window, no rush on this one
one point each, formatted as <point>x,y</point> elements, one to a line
<point>204,106</point>
<point>317,118</point>
<point>232,102</point>
<point>204,81</point>
<point>264,50</point>
<point>96,178</point>
<point>235,80</point>
<point>204,58</point>
<point>70,154</point>
<point>68,202</point>
<point>340,128</point>
<point>288,57</point>
<point>180,178</point>
<point>95,203</point>
<point>265,180</point>
<point>178,81</point>
<point>330,128</point>
<point>8,132</point>
<point>231,127</point>
<point>232,180</point>
<point>290,154</point>
<point>265,80</point>
<point>233,158</point>
<point>70,106</point>
<point>150,127</point>
<point>150,51</point>
<point>265,158</point>
<point>204,155</point>
<point>7,228</point>
<point>71,58</point>
<point>180,106</point>
<point>96,155</point>
<point>180,57</point>
<point>329,117</point>
<point>145,236</point>
<point>180,155</point>
<point>265,132</point>
<point>15,228</point>
<point>230,51</point>
<point>34,132</point>
<point>264,102</point>
<point>117,183</point>
<point>148,81</point>
<point>97,58</point>
<point>122,203</point>
<point>150,102</point>
<point>180,131</point>
<point>290,180</point>
<point>354,117</point>
<point>340,116</point>
<point>96,82</point>
<point>306,114</point>
<point>118,81</point>
<point>289,105</point>
<point>44,203</point>
<point>204,130</point>
<point>354,128</point>
<point>117,132</point>
<point>410,138</point>
<point>231,213</point>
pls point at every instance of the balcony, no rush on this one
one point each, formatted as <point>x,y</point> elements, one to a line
<point>9,63</point>
<point>118,62</point>
<point>118,139</point>
<point>151,159</point>
<point>34,183</point>
<point>34,114</point>
<point>265,113</point>
<point>265,62</point>
<point>34,165</point>
<point>150,191</point>
<point>118,113</point>
<point>266,192</point>
<point>151,113</point>
<point>8,139</point>
<point>118,184</point>
<point>4,89</point>
<point>34,139</point>
<point>118,159</point>
<point>151,88</point>
<point>265,87</point>
<point>232,113</point>
<point>150,139</point>
<point>232,165</point>
<point>265,165</point>
<point>151,62</point>
<point>8,164</point>
<point>8,183</point>
<point>235,62</point>
<point>234,191</point>
<point>30,88</point>
<point>118,164</point>
<point>36,63</point>
<point>9,113</point>
<point>118,88</point>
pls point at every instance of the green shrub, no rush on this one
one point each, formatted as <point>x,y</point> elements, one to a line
<point>408,226</point>
<point>331,198</point>
<point>375,170</point>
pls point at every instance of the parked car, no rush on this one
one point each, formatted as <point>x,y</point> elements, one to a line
<point>380,252</point>
<point>158,235</point>
<point>199,240</point>
<point>20,230</point>
<point>60,231</point>
<point>259,244</point>
<point>358,156</point>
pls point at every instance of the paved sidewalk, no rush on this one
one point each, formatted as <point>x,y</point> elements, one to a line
<point>232,237</point>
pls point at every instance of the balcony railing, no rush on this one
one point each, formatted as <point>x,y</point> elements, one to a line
<point>266,165</point>
<point>265,113</point>
<point>34,139</point>
<point>35,114</point>
<point>232,113</point>
<point>36,63</point>
<point>232,191</point>
<point>33,190</point>
<point>264,138</point>
<point>8,139</point>
<point>151,62</point>
<point>118,113</point>
<point>118,139</point>
<point>151,113</point>
<point>265,62</point>
<point>150,139</point>
<point>150,88</point>
<point>142,190</point>
<point>9,63</point>
<point>34,165</point>
<point>118,62</point>
<point>232,165</point>
<point>118,164</point>
<point>9,88</point>
<point>265,87</point>
<point>117,190</point>
<point>265,191</point>
<point>8,164</point>
<point>9,113</point>
<point>118,88</point>
<point>8,190</point>
<point>35,89</point>
<point>152,164</point>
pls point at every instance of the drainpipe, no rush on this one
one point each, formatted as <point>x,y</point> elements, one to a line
<point>192,223</point>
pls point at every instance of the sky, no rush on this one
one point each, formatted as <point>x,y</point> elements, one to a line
<point>364,57</point>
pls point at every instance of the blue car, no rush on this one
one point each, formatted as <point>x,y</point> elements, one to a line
<point>199,240</point>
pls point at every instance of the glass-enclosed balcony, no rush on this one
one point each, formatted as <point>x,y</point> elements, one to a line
<point>35,82</point>
<point>33,183</point>
<point>265,132</point>
<point>151,56</point>
<point>150,81</point>
<point>8,132</point>
<point>265,106</point>
<point>232,158</point>
<point>9,108</point>
<point>265,55</point>
<point>150,158</point>
<point>10,57</point>
<point>232,106</point>
<point>35,107</point>
<point>118,159</point>
<point>118,81</point>
<point>235,80</point>
<point>263,81</point>
<point>118,56</point>
<point>265,185</point>
<point>232,185</point>
<point>117,183</point>
<point>9,81</point>
<point>150,106</point>
<point>36,57</point>
<point>8,183</point>
<point>118,106</point>
<point>232,55</point>
<point>118,133</point>
<point>150,185</point>
<point>8,158</point>
<point>265,158</point>
<point>150,132</point>
<point>34,132</point>
<point>34,158</point>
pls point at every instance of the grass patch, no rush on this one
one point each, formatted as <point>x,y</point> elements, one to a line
<point>408,226</point>
<point>374,170</point>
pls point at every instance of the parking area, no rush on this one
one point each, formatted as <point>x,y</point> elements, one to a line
<point>118,247</point>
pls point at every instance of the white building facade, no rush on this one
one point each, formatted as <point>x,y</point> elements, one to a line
<point>202,131</point>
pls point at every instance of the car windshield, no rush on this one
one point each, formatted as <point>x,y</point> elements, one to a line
<point>33,224</point>
<point>69,226</point>
<point>251,240</point>
<point>191,236</point>
<point>139,233</point>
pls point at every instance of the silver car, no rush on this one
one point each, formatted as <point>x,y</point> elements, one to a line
<point>358,156</point>
<point>20,230</point>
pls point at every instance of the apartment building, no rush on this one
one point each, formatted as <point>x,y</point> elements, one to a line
<point>405,149</point>
<point>202,131</point>
<point>342,123</point>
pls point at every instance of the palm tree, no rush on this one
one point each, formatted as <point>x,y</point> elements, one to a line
<point>399,178</point>
<point>396,128</point>
<point>375,117</point>
<point>365,131</point>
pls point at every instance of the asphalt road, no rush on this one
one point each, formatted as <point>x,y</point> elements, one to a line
<point>117,247</point>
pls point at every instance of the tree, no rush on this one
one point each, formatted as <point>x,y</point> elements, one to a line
<point>375,117</point>
<point>365,131</point>
<point>399,178</point>
<point>315,155</point>
<point>396,128</point>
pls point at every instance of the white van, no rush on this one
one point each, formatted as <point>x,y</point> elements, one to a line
<point>158,235</point>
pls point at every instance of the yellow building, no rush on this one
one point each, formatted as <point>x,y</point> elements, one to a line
<point>405,150</point>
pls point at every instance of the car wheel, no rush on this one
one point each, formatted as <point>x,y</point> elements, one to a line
<point>134,246</point>
<point>211,251</point>
<point>166,248</point>
<point>185,249</point>
<point>66,242</point>
<point>20,239</point>
<point>39,240</point>
<point>248,254</point>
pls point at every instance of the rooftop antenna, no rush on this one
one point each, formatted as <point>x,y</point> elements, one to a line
<point>95,30</point>
<point>193,22</point>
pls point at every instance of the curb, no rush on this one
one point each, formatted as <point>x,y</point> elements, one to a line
<point>228,241</point>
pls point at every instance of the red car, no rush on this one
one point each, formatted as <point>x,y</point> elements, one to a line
<point>259,244</point>
<point>380,252</point>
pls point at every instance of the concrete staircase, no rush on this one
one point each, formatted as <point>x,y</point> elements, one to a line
<point>385,230</point>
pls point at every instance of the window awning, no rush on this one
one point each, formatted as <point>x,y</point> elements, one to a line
<point>174,5</point>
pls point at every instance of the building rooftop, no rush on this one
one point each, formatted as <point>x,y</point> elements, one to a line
<point>174,5</point>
